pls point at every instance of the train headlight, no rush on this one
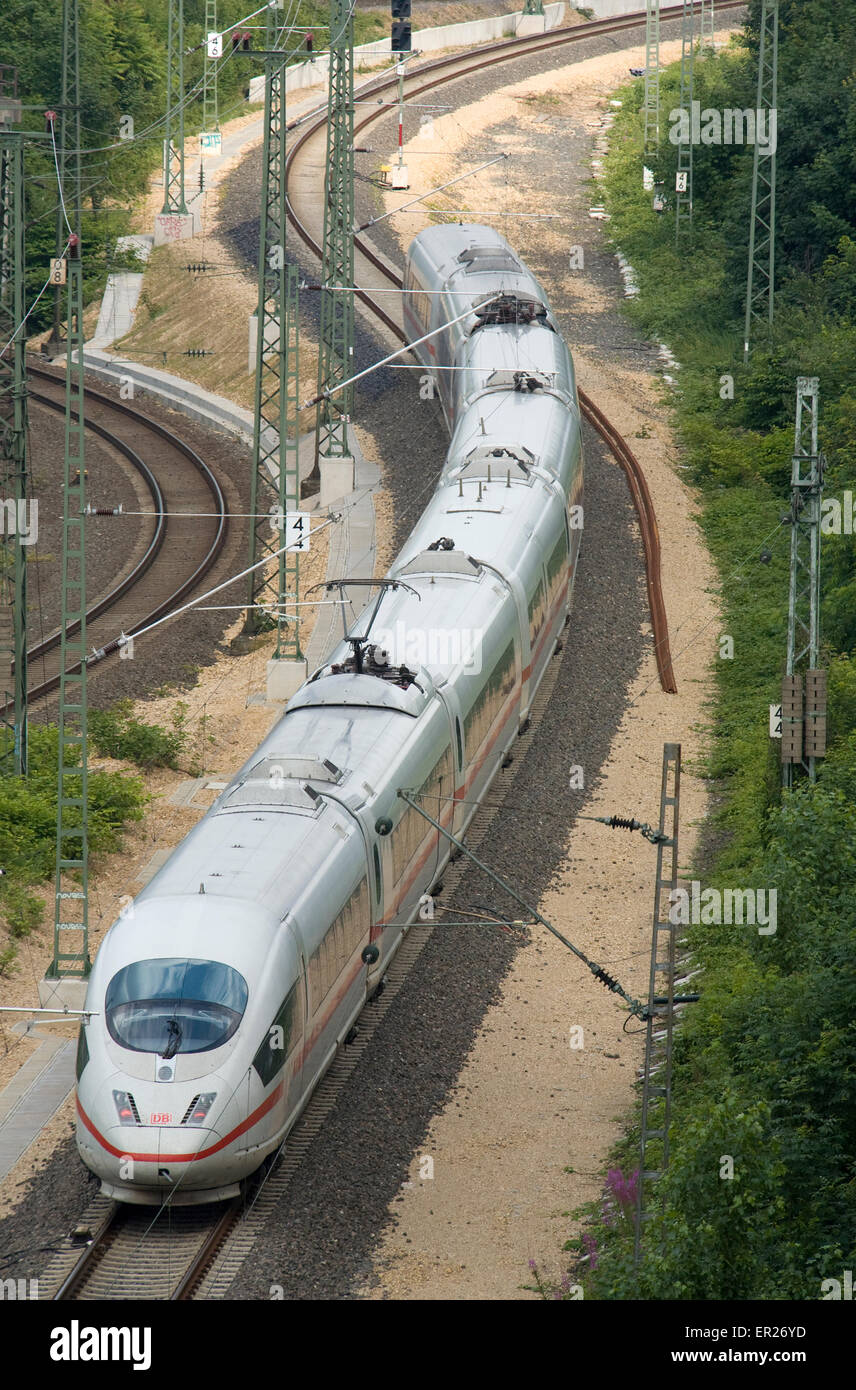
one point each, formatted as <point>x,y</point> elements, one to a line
<point>198,1109</point>
<point>126,1108</point>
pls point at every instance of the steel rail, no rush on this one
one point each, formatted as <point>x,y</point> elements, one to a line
<point>154,549</point>
<point>146,1251</point>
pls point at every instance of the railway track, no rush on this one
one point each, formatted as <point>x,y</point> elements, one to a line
<point>305,212</point>
<point>144,1252</point>
<point>179,551</point>
<point>182,1253</point>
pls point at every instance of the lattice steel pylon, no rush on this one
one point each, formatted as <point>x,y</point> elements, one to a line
<point>336,339</point>
<point>68,157</point>
<point>652,78</point>
<point>707,25</point>
<point>807,468</point>
<point>173,145</point>
<point>210,109</point>
<point>13,457</point>
<point>275,484</point>
<point>71,916</point>
<point>684,176</point>
<point>761,271</point>
<point>661,1006</point>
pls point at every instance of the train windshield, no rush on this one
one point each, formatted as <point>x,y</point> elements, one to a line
<point>175,1005</point>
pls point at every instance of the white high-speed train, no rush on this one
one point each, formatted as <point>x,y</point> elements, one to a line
<point>220,999</point>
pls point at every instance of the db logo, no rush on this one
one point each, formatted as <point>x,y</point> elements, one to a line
<point>160,1118</point>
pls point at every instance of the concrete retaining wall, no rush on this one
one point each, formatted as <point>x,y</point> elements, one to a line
<point>475,31</point>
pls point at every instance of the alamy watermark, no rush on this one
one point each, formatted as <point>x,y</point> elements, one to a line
<point>715,907</point>
<point>730,126</point>
<point>433,646</point>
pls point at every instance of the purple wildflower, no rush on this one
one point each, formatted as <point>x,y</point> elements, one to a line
<point>590,1246</point>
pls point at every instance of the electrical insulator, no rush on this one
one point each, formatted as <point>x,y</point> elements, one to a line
<point>74,247</point>
<point>236,42</point>
<point>50,118</point>
<point>246,42</point>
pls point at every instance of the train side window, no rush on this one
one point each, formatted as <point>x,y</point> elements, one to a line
<point>413,830</point>
<point>82,1051</point>
<point>488,703</point>
<point>537,612</point>
<point>378,879</point>
<point>556,565</point>
<point>281,1037</point>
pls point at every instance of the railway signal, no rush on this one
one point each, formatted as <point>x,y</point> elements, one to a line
<point>401,30</point>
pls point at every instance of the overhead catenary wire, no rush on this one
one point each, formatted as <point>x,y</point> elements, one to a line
<point>601,975</point>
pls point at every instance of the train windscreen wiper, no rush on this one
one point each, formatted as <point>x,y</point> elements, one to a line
<point>175,1036</point>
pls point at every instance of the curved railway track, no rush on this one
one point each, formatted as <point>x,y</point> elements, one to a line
<point>181,1253</point>
<point>180,550</point>
<point>374,267</point>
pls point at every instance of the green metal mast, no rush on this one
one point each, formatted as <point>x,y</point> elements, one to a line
<point>288,632</point>
<point>13,447</point>
<point>69,108</point>
<point>652,77</point>
<point>336,355</point>
<point>684,177</point>
<point>707,24</point>
<point>275,484</point>
<point>533,7</point>
<point>173,147</point>
<point>210,110</point>
<point>71,918</point>
<point>804,710</point>
<point>761,273</point>
<point>660,1017</point>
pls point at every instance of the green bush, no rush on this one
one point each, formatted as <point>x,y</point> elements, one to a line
<point>28,816</point>
<point>759,1198</point>
<point>117,734</point>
